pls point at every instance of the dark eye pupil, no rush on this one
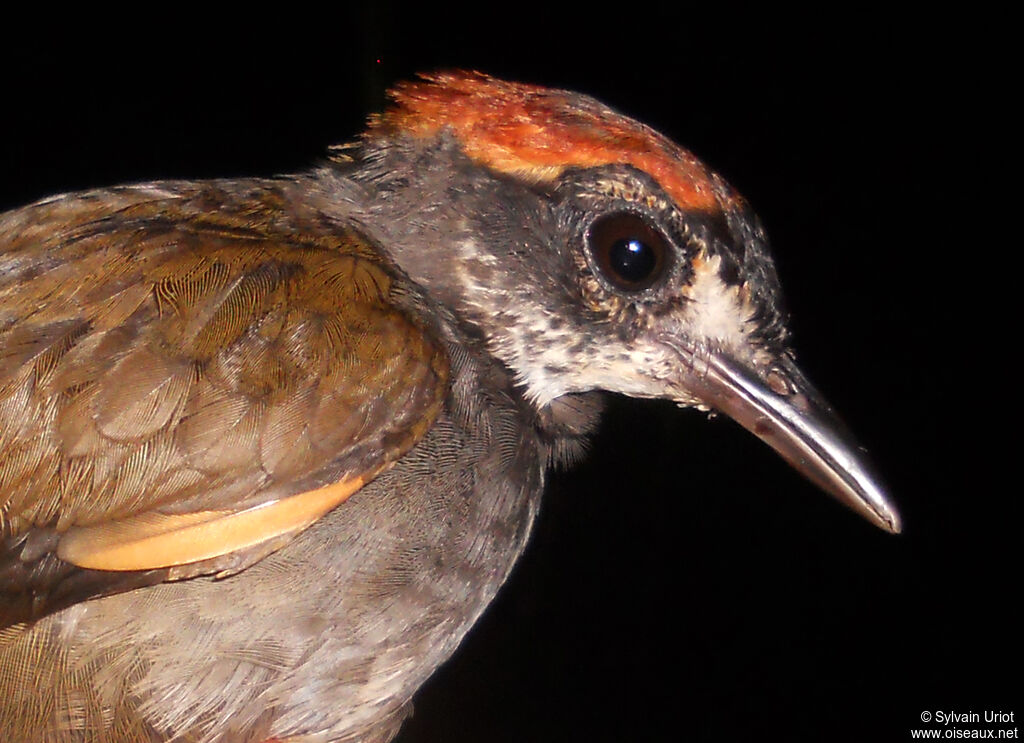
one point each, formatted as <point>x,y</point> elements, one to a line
<point>627,251</point>
<point>632,259</point>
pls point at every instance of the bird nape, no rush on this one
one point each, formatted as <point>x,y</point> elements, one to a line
<point>268,447</point>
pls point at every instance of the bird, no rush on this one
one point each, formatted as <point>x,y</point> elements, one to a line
<point>270,446</point>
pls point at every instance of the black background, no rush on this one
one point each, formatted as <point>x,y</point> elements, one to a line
<point>682,583</point>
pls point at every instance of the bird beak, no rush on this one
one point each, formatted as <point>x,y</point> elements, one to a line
<point>792,418</point>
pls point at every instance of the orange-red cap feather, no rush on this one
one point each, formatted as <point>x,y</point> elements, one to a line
<point>536,133</point>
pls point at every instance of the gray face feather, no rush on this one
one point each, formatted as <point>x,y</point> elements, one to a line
<point>516,260</point>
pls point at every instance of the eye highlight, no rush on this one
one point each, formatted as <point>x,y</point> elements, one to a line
<point>627,252</point>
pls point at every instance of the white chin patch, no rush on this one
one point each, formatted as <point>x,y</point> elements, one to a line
<point>636,373</point>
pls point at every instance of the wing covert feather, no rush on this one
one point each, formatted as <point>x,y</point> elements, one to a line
<point>183,348</point>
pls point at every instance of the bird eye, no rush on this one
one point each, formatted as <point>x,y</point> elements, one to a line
<point>627,251</point>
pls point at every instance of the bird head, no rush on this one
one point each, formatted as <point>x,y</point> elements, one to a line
<point>590,252</point>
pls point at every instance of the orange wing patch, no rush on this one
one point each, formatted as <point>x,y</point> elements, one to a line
<point>151,540</point>
<point>536,133</point>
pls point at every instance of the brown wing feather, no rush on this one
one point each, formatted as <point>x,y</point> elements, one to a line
<point>184,348</point>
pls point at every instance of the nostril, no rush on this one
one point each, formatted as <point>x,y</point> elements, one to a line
<point>778,383</point>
